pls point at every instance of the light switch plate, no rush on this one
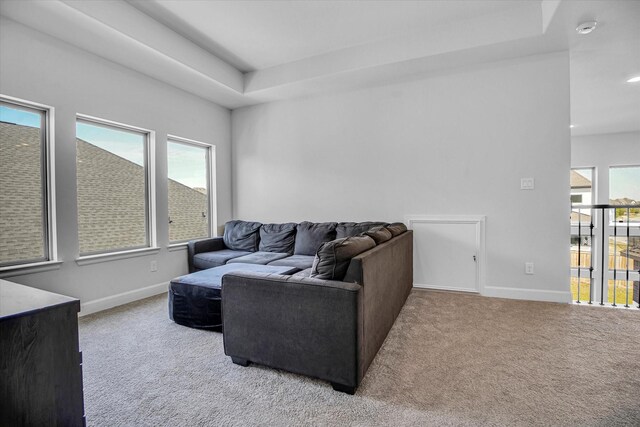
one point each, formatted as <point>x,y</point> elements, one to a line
<point>527,183</point>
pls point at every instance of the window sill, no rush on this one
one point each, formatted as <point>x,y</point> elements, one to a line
<point>36,267</point>
<point>174,247</point>
<point>113,256</point>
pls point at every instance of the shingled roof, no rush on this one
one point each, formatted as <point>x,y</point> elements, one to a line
<point>111,194</point>
<point>579,181</point>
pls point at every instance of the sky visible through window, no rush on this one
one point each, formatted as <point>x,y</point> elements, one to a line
<point>187,164</point>
<point>19,117</point>
<point>624,182</point>
<point>127,145</point>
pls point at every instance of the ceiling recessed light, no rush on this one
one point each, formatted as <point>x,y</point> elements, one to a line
<point>635,79</point>
<point>572,126</point>
<point>586,27</point>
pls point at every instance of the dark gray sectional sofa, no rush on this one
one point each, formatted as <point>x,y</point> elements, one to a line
<point>328,319</point>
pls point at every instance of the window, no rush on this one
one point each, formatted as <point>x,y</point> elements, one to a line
<point>624,189</point>
<point>114,187</point>
<point>624,242</point>
<point>582,186</point>
<point>27,233</point>
<point>190,189</point>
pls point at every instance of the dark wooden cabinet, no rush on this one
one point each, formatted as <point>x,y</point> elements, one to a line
<point>40,361</point>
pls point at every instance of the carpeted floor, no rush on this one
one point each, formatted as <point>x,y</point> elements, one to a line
<point>450,359</point>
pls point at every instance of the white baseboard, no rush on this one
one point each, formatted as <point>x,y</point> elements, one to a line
<point>510,293</point>
<point>120,299</point>
<point>528,294</point>
<point>444,288</point>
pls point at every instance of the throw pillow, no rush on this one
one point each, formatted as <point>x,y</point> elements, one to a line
<point>278,237</point>
<point>396,228</point>
<point>241,235</point>
<point>333,258</point>
<point>309,236</point>
<point>378,234</point>
<point>347,229</point>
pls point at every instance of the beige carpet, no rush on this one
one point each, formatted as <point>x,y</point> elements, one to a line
<point>450,359</point>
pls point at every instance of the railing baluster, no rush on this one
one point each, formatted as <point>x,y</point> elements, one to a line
<point>579,253</point>
<point>626,299</point>
<point>615,252</point>
<point>591,257</point>
<point>602,260</point>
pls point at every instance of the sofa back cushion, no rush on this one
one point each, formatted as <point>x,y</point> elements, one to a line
<point>333,258</point>
<point>310,236</point>
<point>379,234</point>
<point>242,235</point>
<point>347,229</point>
<point>396,228</point>
<point>278,237</point>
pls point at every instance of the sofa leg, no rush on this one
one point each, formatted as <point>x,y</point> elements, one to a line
<point>343,388</point>
<point>240,361</point>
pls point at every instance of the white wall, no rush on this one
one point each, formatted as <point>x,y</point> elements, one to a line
<point>38,68</point>
<point>447,144</point>
<point>604,150</point>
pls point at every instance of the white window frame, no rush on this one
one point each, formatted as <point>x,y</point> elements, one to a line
<point>150,160</point>
<point>211,166</point>
<point>49,202</point>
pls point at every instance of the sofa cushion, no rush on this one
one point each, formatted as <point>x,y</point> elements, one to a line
<point>348,229</point>
<point>310,235</point>
<point>278,237</point>
<point>333,258</point>
<point>263,258</point>
<point>304,273</point>
<point>379,234</point>
<point>396,228</point>
<point>242,235</point>
<point>299,261</point>
<point>205,260</point>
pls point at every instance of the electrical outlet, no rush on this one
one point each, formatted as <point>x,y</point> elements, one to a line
<point>528,268</point>
<point>154,265</point>
<point>527,183</point>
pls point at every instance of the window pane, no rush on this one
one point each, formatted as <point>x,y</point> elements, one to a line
<point>581,186</point>
<point>23,233</point>
<point>581,194</point>
<point>188,191</point>
<point>112,188</point>
<point>624,189</point>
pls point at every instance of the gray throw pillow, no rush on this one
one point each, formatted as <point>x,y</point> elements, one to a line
<point>241,235</point>
<point>333,258</point>
<point>310,235</point>
<point>396,228</point>
<point>378,234</point>
<point>279,238</point>
<point>347,229</point>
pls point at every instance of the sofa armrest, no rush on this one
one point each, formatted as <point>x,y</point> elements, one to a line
<point>205,245</point>
<point>302,325</point>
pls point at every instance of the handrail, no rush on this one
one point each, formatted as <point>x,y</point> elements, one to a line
<point>604,236</point>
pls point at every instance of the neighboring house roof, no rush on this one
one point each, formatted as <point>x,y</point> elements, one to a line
<point>580,217</point>
<point>579,181</point>
<point>111,194</point>
<point>21,234</point>
<point>623,201</point>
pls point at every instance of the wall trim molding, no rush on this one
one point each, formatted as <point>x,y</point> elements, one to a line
<point>111,301</point>
<point>480,222</point>
<point>445,288</point>
<point>528,294</point>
